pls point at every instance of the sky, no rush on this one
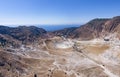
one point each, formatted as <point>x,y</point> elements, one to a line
<point>22,12</point>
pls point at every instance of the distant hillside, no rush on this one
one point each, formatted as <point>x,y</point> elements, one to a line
<point>94,29</point>
<point>23,34</point>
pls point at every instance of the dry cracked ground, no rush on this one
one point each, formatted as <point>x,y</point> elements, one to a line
<point>60,57</point>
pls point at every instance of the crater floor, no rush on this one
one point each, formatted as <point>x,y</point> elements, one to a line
<point>59,57</point>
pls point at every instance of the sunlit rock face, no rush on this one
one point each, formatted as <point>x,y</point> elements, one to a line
<point>64,44</point>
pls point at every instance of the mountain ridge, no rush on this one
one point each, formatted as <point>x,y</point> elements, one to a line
<point>95,28</point>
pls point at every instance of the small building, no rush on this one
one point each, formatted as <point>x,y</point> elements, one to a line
<point>106,39</point>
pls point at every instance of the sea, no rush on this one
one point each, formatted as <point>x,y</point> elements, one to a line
<point>50,27</point>
<point>56,27</point>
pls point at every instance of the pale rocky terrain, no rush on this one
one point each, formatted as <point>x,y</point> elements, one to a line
<point>61,57</point>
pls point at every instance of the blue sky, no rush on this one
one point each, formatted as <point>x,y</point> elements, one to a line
<point>56,11</point>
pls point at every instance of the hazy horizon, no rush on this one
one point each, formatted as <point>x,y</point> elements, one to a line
<point>49,27</point>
